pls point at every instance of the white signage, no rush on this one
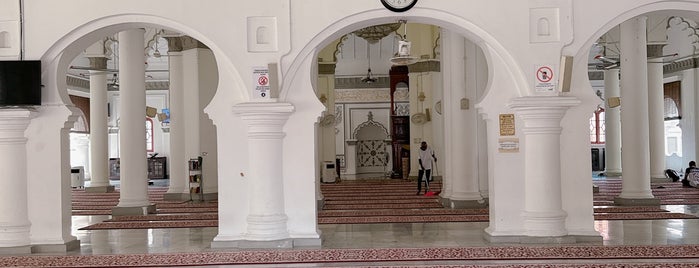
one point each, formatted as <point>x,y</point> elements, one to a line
<point>260,81</point>
<point>545,81</point>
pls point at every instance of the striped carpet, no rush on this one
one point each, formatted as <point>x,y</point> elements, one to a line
<point>358,202</point>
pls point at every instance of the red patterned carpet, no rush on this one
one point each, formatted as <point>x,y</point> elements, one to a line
<point>357,202</point>
<point>515,256</point>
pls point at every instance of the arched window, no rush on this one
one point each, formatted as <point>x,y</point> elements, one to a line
<point>149,135</point>
<point>597,127</point>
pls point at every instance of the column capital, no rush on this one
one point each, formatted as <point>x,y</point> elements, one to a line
<point>542,104</point>
<point>98,62</point>
<point>265,119</point>
<point>189,42</point>
<point>542,114</point>
<point>655,50</point>
<point>174,43</point>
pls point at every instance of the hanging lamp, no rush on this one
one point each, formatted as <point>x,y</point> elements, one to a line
<point>369,77</point>
<point>403,56</point>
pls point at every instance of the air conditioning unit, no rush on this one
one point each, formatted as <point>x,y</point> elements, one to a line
<point>328,172</point>
<point>77,177</point>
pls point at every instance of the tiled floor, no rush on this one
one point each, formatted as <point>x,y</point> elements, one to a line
<point>394,235</point>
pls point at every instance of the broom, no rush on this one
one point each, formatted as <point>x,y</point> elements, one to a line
<point>432,193</point>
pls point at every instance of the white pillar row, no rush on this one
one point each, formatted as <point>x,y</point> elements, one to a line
<point>635,161</point>
<point>267,220</point>
<point>460,126</point>
<point>612,125</point>
<point>133,199</point>
<point>99,146</point>
<point>14,219</point>
<point>543,205</point>
<point>656,113</point>
<point>178,189</point>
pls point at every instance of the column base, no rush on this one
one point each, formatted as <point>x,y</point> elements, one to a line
<point>282,243</point>
<point>206,197</point>
<point>523,239</point>
<point>458,204</point>
<point>320,204</point>
<point>128,211</point>
<point>636,201</point>
<point>176,197</point>
<point>662,179</point>
<point>612,174</point>
<point>100,189</point>
<point>16,250</point>
<point>57,248</point>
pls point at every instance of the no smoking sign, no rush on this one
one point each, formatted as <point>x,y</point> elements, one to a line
<point>544,77</point>
<point>261,85</point>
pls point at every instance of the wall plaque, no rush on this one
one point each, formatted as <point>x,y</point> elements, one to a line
<point>507,124</point>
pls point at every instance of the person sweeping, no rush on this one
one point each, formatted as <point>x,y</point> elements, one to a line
<point>426,154</point>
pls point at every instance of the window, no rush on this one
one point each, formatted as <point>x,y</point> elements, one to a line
<point>149,135</point>
<point>597,127</point>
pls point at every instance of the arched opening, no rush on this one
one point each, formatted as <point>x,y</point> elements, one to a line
<point>645,99</point>
<point>436,99</point>
<point>73,66</point>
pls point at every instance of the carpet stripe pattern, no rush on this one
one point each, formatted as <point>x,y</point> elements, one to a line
<point>360,202</point>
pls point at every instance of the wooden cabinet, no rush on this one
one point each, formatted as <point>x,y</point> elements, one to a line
<point>157,168</point>
<point>196,192</point>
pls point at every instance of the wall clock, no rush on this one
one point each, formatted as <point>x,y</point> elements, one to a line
<point>398,5</point>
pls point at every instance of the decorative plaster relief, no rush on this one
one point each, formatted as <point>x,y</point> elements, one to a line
<point>369,95</point>
<point>402,109</point>
<point>544,25</point>
<point>262,34</point>
<point>682,38</point>
<point>9,38</point>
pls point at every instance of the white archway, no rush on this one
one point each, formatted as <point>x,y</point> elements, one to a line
<point>48,142</point>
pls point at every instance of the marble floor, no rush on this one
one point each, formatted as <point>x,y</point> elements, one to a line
<point>394,235</point>
<point>390,235</point>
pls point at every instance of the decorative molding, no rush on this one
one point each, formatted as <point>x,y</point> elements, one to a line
<point>174,44</point>
<point>369,122</point>
<point>367,95</point>
<point>82,83</point>
<point>190,43</point>
<point>356,82</point>
<point>338,113</point>
<point>425,66</point>
<point>595,75</point>
<point>98,62</point>
<point>680,65</point>
<point>338,47</point>
<point>402,109</point>
<point>654,50</point>
<point>73,81</point>
<point>326,68</point>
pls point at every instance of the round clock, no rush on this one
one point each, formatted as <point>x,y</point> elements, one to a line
<point>398,5</point>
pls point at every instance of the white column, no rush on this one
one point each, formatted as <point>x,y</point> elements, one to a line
<point>267,219</point>
<point>543,208</point>
<point>14,217</point>
<point>178,160</point>
<point>460,128</point>
<point>190,81</point>
<point>612,125</point>
<point>99,147</point>
<point>656,118</point>
<point>132,128</point>
<point>634,116</point>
